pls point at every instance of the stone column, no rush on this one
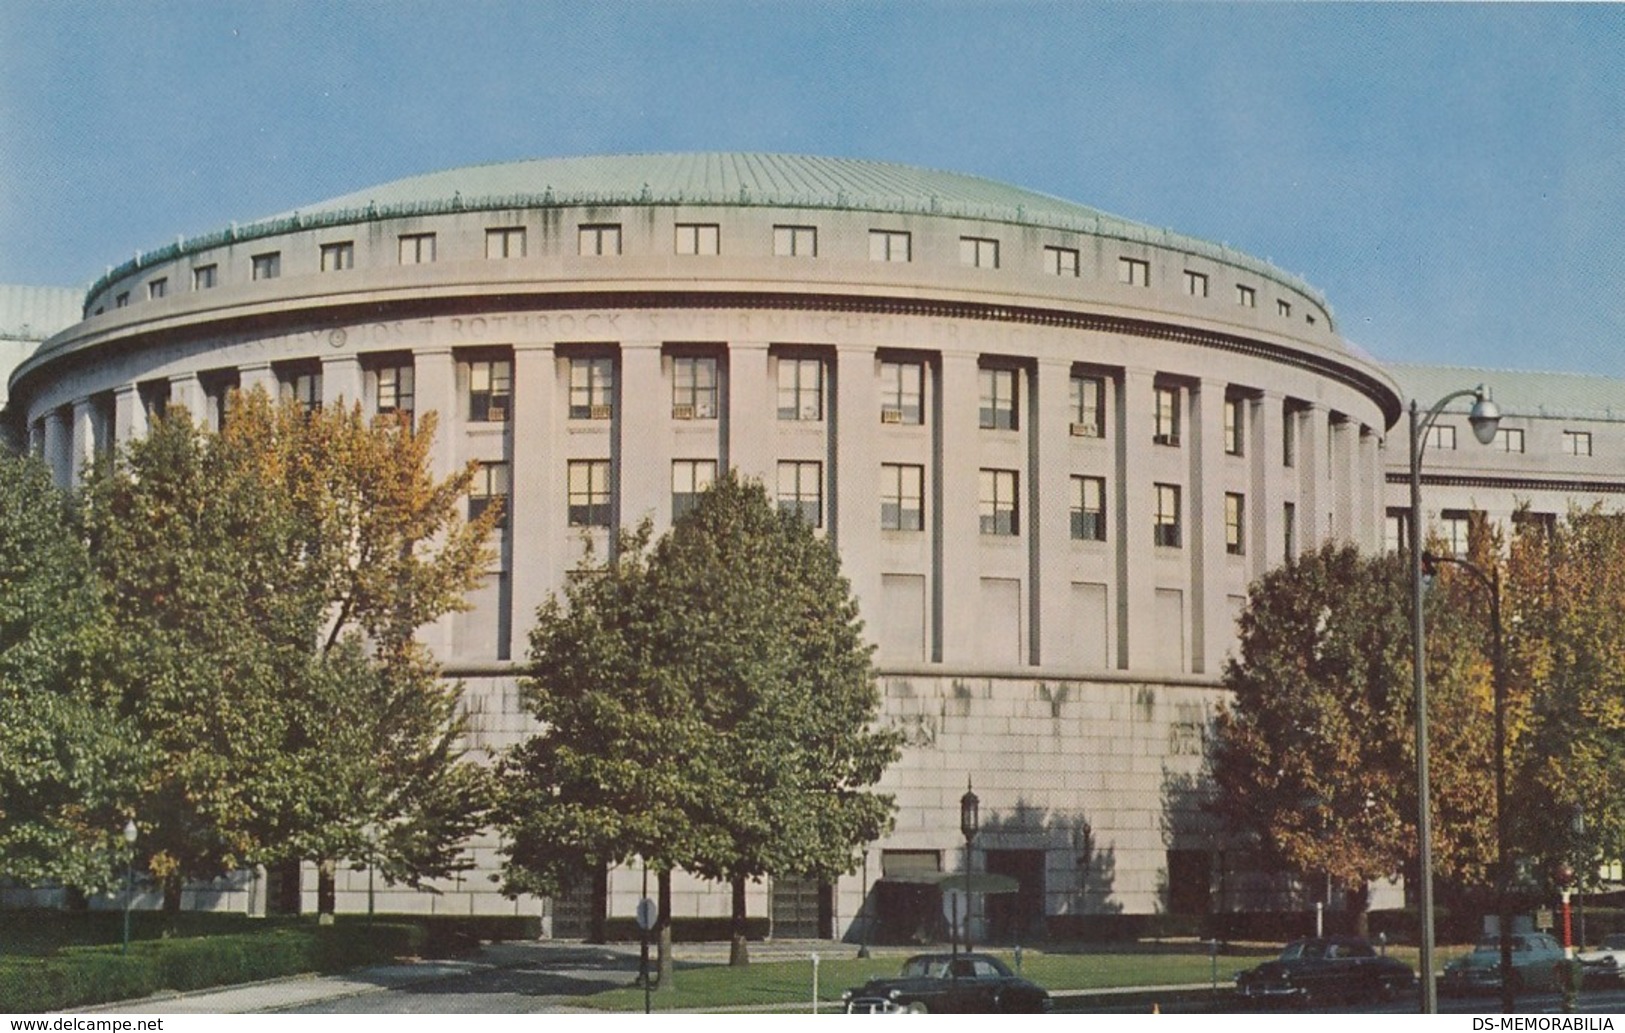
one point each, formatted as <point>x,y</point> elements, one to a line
<point>957,525</point>
<point>59,446</point>
<point>1266,525</point>
<point>341,380</point>
<point>854,481</point>
<point>1136,505</point>
<point>257,374</point>
<point>184,390</point>
<point>83,450</point>
<point>640,448</point>
<point>1049,530</point>
<point>535,509</point>
<point>750,411</point>
<point>1312,493</point>
<point>129,415</point>
<point>435,387</point>
<point>1209,607</point>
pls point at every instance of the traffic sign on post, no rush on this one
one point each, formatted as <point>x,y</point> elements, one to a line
<point>647,913</point>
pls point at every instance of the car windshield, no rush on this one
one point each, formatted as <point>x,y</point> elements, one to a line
<point>926,968</point>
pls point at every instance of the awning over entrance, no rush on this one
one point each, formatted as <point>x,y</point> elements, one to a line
<point>980,882</point>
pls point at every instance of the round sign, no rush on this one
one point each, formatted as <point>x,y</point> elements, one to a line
<point>647,913</point>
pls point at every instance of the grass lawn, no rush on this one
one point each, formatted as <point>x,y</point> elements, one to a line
<point>789,983</point>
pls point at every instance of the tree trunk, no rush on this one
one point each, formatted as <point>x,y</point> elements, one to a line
<point>1359,905</point>
<point>598,925</point>
<point>737,955</point>
<point>664,964</point>
<point>172,894</point>
<point>326,890</point>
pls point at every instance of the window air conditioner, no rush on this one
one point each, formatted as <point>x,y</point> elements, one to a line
<point>1085,430</point>
<point>1165,439</point>
<point>891,415</point>
<point>682,412</point>
<point>598,412</point>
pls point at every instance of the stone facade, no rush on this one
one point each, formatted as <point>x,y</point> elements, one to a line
<point>1053,448</point>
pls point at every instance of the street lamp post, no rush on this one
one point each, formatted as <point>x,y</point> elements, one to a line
<point>970,820</point>
<point>1492,581</point>
<point>1485,417</point>
<point>129,877</point>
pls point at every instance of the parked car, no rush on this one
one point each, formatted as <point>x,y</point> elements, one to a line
<point>1534,965</point>
<point>1607,963</point>
<point>949,983</point>
<point>1327,968</point>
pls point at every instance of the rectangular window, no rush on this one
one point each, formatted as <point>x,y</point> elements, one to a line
<point>1235,517</point>
<point>902,387</point>
<point>998,399</point>
<point>1528,521</point>
<point>801,491</point>
<point>979,252</point>
<point>795,241</point>
<point>1166,529</point>
<point>1246,297</point>
<point>1443,437</point>
<point>490,390</point>
<point>1289,529</point>
<point>416,248</point>
<point>489,487</point>
<point>395,391</point>
<point>1135,272</point>
<point>902,497</point>
<point>205,276</point>
<point>699,238</point>
<point>1235,426</point>
<point>1061,261</point>
<point>303,384</point>
<point>602,239</point>
<point>1397,529</point>
<point>339,255</point>
<point>589,497</point>
<point>505,242</point>
<point>267,266</point>
<point>157,288</point>
<point>1166,425</point>
<point>592,388</point>
<point>122,299</point>
<point>1454,526</point>
<point>1088,407</point>
<point>1283,307</point>
<point>1000,510</point>
<point>1510,439</point>
<point>801,389</point>
<point>1195,284</point>
<point>890,246</point>
<point>694,388</point>
<point>689,477</point>
<point>1577,442</point>
<point>1089,509</point>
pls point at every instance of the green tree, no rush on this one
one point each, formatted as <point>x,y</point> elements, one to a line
<point>265,584</point>
<point>1567,584</point>
<point>67,756</point>
<point>619,764</point>
<point>771,649</point>
<point>1313,757</point>
<point>707,705</point>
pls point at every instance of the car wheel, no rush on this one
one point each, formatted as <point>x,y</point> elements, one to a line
<point>916,1008</point>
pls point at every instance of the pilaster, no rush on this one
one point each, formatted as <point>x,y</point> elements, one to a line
<point>1136,507</point>
<point>129,415</point>
<point>535,528</point>
<point>1209,607</point>
<point>341,380</point>
<point>750,412</point>
<point>854,481</point>
<point>1050,474</point>
<point>957,502</point>
<point>642,437</point>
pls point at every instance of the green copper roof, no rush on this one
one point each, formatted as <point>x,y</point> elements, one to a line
<point>1574,396</point>
<point>767,180</point>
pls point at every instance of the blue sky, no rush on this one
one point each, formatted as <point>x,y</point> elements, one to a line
<point>1451,176</point>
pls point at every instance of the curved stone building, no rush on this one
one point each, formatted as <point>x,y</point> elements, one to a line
<point>1053,447</point>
